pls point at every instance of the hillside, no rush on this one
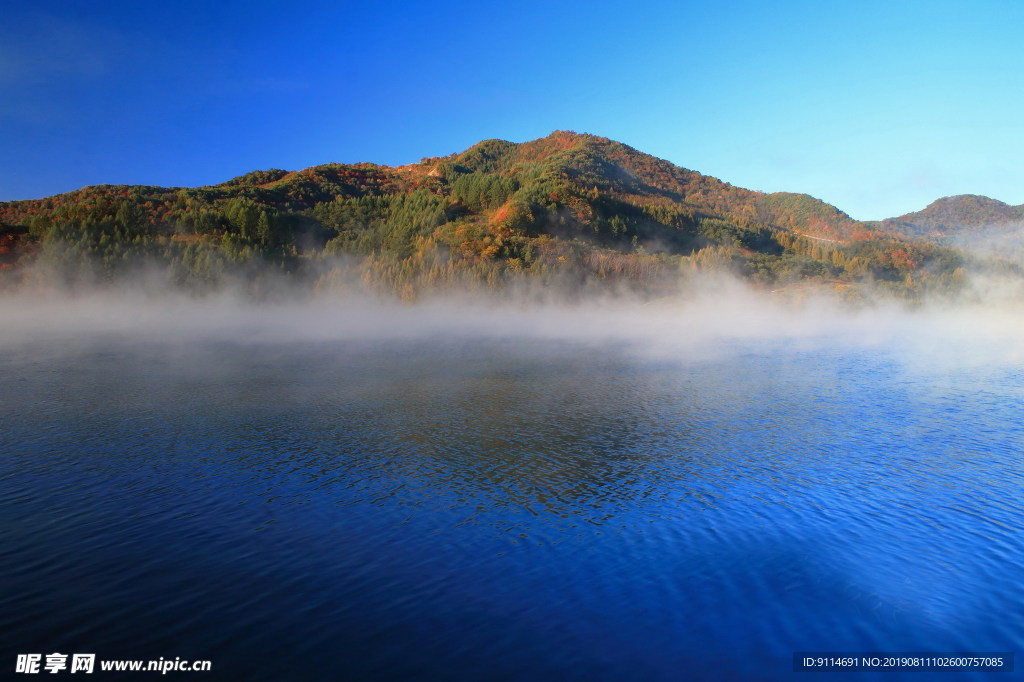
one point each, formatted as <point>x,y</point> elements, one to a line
<point>567,208</point>
<point>951,216</point>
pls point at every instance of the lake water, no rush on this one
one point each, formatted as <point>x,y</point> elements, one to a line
<point>491,507</point>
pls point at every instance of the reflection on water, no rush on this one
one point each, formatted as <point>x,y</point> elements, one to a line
<point>497,510</point>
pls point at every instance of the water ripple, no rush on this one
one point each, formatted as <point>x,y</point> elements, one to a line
<point>506,511</point>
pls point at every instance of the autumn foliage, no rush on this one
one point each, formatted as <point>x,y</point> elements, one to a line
<point>567,207</point>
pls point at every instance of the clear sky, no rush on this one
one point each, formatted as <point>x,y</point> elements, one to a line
<point>876,107</point>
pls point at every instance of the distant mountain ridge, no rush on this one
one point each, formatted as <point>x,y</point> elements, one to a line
<point>950,216</point>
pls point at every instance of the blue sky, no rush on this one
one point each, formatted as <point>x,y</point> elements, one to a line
<point>876,107</point>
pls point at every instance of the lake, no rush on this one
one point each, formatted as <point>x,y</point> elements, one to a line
<point>493,504</point>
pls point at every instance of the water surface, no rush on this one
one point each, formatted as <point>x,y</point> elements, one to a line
<point>473,508</point>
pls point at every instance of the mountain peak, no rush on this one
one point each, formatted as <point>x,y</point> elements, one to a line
<point>953,214</point>
<point>965,200</point>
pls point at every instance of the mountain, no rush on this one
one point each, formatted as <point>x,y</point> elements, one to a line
<point>951,216</point>
<point>566,207</point>
<point>581,161</point>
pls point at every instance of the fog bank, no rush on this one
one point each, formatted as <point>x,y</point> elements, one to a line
<point>720,317</point>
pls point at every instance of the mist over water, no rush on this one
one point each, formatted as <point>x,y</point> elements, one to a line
<point>685,488</point>
<point>708,312</point>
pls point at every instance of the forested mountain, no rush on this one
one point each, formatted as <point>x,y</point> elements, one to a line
<point>951,216</point>
<point>567,208</point>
